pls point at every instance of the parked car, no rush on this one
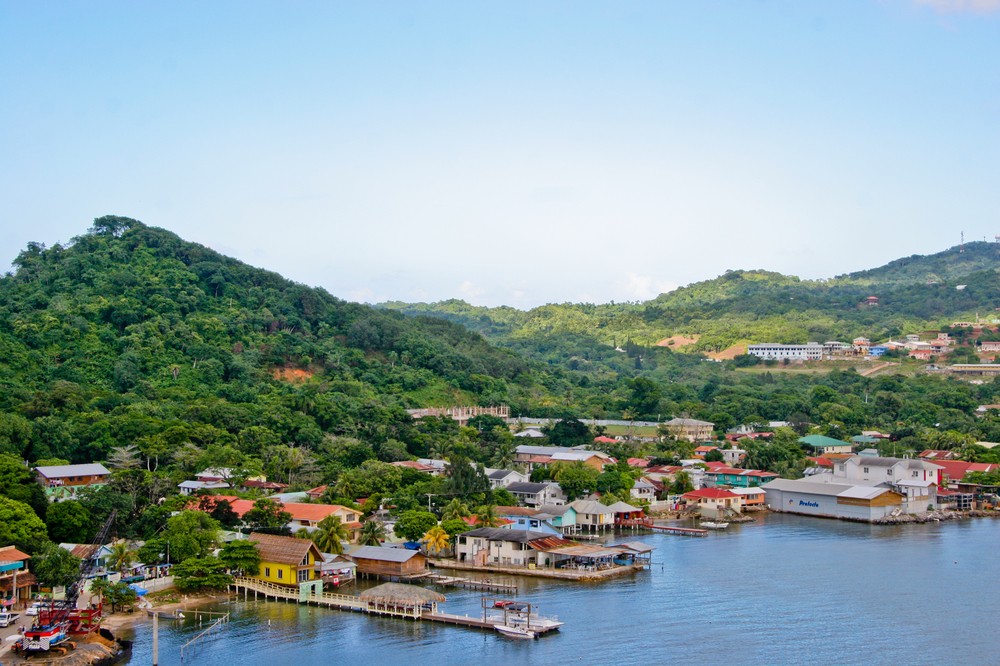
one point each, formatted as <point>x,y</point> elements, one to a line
<point>34,608</point>
<point>6,619</point>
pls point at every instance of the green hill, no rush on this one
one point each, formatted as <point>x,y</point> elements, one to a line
<point>128,334</point>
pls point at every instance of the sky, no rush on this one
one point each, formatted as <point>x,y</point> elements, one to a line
<point>507,153</point>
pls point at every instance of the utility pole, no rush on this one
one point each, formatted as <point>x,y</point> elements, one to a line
<point>156,639</point>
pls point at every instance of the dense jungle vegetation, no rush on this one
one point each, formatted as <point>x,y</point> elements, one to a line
<point>161,357</point>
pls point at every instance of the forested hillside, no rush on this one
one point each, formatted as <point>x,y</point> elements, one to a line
<point>742,306</point>
<point>161,358</point>
<point>130,335</point>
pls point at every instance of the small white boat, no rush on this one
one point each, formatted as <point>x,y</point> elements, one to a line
<point>514,632</point>
<point>711,525</point>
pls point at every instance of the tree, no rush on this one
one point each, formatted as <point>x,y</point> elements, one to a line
<point>414,524</point>
<point>120,595</point>
<point>240,556</point>
<point>682,483</point>
<point>455,526</point>
<point>124,457</point>
<point>68,522</point>
<point>55,566</point>
<point>569,432</point>
<point>372,533</point>
<point>18,483</point>
<point>191,534</point>
<point>456,508</point>
<point>715,455</point>
<point>267,516</point>
<point>221,510</point>
<point>436,540</point>
<point>121,555</point>
<point>577,479</point>
<point>487,516</point>
<point>21,526</point>
<point>465,477</point>
<point>331,535</point>
<point>201,573</point>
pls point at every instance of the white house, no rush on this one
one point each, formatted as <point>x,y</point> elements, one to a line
<point>501,478</point>
<point>537,494</point>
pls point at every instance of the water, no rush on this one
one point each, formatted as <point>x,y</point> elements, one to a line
<point>784,590</point>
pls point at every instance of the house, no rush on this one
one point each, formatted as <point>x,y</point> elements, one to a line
<point>626,514</point>
<point>501,478</point>
<point>822,445</point>
<point>266,487</point>
<point>499,546</point>
<point>915,480</point>
<point>735,456</point>
<point>952,472</point>
<point>288,561</point>
<point>317,492</point>
<point>643,490</point>
<point>750,496</point>
<point>715,502</point>
<point>592,516</point>
<point>419,466</point>
<point>690,429</point>
<point>192,487</point>
<point>530,433</point>
<point>989,346</point>
<point>388,562</point>
<point>936,455</point>
<point>337,569</point>
<point>702,451</point>
<point>544,456</point>
<point>537,494</point>
<point>16,582</point>
<point>738,478</point>
<point>64,481</point>
<point>923,354</point>
<point>303,516</point>
<point>95,555</point>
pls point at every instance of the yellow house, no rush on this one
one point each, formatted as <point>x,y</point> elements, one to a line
<point>286,560</point>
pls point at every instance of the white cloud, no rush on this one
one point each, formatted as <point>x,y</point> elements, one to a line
<point>643,287</point>
<point>953,6</point>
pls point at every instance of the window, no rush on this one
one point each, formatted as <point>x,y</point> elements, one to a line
<point>916,474</point>
<point>267,571</point>
<point>866,470</point>
<point>281,573</point>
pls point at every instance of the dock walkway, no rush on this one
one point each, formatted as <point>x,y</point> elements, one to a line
<point>351,603</point>
<point>472,584</point>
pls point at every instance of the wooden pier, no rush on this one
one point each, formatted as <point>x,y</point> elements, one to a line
<point>473,584</point>
<point>680,531</point>
<point>347,602</point>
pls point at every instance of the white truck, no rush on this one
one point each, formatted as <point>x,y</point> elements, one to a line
<point>7,619</point>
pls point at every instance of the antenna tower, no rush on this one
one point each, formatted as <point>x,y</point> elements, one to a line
<point>961,247</point>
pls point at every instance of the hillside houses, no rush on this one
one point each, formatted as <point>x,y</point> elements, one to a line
<point>544,456</point>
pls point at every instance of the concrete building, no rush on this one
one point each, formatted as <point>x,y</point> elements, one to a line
<point>773,351</point>
<point>832,500</point>
<point>692,430</point>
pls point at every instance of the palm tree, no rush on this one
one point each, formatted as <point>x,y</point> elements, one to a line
<point>503,454</point>
<point>456,508</point>
<point>487,516</point>
<point>436,540</point>
<point>121,555</point>
<point>331,535</point>
<point>372,533</point>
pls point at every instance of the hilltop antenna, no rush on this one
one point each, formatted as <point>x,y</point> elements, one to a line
<point>961,247</point>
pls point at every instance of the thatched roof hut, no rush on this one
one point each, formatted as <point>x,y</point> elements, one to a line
<point>398,594</point>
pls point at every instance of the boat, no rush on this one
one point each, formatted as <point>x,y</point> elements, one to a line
<point>711,525</point>
<point>519,615</point>
<point>514,631</point>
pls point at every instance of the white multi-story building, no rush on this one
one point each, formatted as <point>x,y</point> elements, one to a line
<point>772,351</point>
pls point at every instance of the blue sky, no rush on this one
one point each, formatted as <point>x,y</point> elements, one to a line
<point>510,152</point>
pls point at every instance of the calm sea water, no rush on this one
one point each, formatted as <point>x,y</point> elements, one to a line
<point>784,590</point>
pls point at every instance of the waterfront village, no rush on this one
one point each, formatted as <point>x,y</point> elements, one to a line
<point>299,547</point>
